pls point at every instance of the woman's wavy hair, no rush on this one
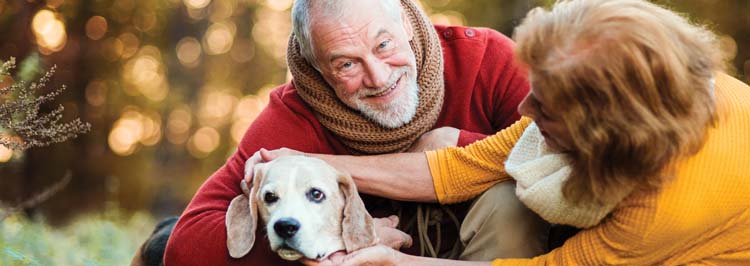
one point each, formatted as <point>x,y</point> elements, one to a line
<point>632,82</point>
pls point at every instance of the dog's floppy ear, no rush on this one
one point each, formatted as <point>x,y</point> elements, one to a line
<point>357,227</point>
<point>242,218</point>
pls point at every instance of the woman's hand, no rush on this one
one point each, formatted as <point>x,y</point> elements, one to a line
<point>379,255</point>
<point>388,235</point>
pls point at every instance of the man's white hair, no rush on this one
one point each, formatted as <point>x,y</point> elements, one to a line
<point>326,8</point>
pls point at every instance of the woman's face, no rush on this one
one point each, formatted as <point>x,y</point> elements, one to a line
<point>555,133</point>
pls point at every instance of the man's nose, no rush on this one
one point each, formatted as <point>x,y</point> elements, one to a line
<point>286,227</point>
<point>378,73</point>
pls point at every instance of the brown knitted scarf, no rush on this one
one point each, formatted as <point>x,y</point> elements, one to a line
<point>358,133</point>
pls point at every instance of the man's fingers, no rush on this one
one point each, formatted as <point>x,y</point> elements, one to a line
<point>266,155</point>
<point>250,167</point>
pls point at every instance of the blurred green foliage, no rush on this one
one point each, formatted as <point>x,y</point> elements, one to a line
<point>92,240</point>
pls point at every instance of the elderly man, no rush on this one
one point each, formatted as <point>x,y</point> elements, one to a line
<point>373,77</point>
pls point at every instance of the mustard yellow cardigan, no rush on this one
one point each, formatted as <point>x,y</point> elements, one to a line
<point>701,217</point>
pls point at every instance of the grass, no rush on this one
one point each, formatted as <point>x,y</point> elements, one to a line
<point>93,240</point>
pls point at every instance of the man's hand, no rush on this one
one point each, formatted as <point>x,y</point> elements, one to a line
<point>436,139</point>
<point>262,156</point>
<point>385,229</point>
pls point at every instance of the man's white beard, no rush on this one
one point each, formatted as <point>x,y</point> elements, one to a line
<point>398,112</point>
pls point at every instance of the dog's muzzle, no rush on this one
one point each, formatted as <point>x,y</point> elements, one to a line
<point>286,228</point>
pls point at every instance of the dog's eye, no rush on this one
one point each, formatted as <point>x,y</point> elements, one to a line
<point>269,197</point>
<point>315,195</point>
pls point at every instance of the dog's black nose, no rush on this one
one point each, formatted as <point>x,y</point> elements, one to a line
<point>286,227</point>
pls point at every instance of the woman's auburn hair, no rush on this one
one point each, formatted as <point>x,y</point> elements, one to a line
<point>631,81</point>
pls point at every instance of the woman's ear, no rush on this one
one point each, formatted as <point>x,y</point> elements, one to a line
<point>357,227</point>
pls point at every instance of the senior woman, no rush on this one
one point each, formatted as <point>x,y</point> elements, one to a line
<point>637,137</point>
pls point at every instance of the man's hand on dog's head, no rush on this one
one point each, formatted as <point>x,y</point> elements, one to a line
<point>263,156</point>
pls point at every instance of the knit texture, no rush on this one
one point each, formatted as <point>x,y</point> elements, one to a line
<point>540,175</point>
<point>357,132</point>
<point>701,216</point>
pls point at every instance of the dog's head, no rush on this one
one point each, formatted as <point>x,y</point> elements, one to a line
<point>310,209</point>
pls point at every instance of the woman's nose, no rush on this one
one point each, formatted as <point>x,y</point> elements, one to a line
<point>525,108</point>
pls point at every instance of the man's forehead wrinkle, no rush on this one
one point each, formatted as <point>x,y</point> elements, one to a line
<point>349,40</point>
<point>346,29</point>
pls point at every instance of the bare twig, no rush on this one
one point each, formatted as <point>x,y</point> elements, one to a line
<point>48,192</point>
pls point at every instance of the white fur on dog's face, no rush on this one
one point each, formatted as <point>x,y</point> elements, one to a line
<point>291,180</point>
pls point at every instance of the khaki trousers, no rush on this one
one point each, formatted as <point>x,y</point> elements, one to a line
<point>498,225</point>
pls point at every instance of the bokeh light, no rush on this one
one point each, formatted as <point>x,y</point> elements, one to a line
<point>247,110</point>
<point>222,10</point>
<point>728,47</point>
<point>189,52</point>
<point>130,44</point>
<point>49,31</point>
<point>151,122</point>
<point>449,17</point>
<point>5,154</point>
<point>242,51</point>
<point>145,75</point>
<point>96,93</point>
<point>197,4</point>
<point>113,49</point>
<point>96,27</point>
<point>134,128</point>
<point>215,106</point>
<point>178,125</point>
<point>203,142</point>
<point>144,21</point>
<point>279,5</point>
<point>126,133</point>
<point>54,3</point>
<point>271,32</point>
<point>219,38</point>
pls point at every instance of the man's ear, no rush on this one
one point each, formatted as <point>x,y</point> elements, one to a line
<point>242,219</point>
<point>357,227</point>
<point>406,22</point>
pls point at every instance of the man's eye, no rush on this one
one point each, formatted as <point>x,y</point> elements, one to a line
<point>315,195</point>
<point>384,44</point>
<point>270,197</point>
<point>346,65</point>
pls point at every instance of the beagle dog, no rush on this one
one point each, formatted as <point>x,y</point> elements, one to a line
<point>309,208</point>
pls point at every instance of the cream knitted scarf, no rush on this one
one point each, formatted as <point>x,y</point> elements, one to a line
<point>359,134</point>
<point>540,174</point>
